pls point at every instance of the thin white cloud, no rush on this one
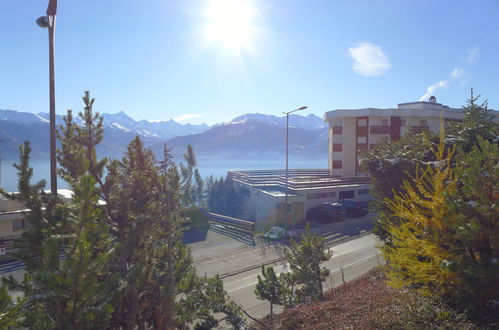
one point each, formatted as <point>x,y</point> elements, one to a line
<point>472,55</point>
<point>457,74</point>
<point>432,88</point>
<point>187,117</point>
<point>369,60</point>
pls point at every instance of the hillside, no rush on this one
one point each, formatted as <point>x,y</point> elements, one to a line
<point>368,303</point>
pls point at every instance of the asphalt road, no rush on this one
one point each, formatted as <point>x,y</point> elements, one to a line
<point>352,258</point>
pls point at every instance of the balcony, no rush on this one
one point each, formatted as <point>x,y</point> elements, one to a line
<point>418,129</point>
<point>336,164</point>
<point>337,130</point>
<point>380,129</point>
<point>337,147</point>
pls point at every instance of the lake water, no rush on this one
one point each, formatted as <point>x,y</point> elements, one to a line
<point>207,167</point>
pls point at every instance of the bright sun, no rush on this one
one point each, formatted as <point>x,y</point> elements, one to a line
<point>230,23</point>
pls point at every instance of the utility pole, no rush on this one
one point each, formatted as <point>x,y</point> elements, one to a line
<point>48,22</point>
<point>1,165</point>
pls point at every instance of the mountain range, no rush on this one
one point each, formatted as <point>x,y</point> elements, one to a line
<point>250,135</point>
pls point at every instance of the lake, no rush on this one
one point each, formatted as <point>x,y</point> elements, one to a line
<point>207,167</point>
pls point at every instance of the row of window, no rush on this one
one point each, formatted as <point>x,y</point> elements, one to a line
<point>386,122</point>
<point>333,194</point>
<point>321,195</point>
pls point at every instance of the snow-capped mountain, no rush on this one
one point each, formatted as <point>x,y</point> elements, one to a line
<point>310,121</point>
<point>119,129</point>
<point>252,136</point>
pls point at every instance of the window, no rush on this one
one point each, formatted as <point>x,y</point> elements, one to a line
<point>361,140</point>
<point>362,122</point>
<point>384,122</point>
<point>321,195</point>
<point>363,192</point>
<point>424,122</point>
<point>18,224</point>
<point>346,194</point>
<point>402,123</point>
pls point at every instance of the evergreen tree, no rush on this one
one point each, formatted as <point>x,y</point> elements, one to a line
<point>477,229</point>
<point>306,274</point>
<point>62,293</point>
<point>223,197</point>
<point>478,122</point>
<point>271,288</point>
<point>155,282</point>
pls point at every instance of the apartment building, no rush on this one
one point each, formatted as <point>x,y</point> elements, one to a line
<point>355,130</point>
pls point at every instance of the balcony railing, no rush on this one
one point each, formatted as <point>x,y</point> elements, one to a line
<point>380,129</point>
<point>337,147</point>
<point>337,130</point>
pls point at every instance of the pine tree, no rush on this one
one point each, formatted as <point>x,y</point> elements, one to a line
<point>477,229</point>
<point>69,292</point>
<point>478,122</point>
<point>306,274</point>
<point>271,288</point>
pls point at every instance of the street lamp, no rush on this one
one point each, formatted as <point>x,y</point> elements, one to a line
<point>287,151</point>
<point>48,21</point>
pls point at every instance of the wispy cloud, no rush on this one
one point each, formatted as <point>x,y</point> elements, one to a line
<point>432,88</point>
<point>369,60</point>
<point>458,74</point>
<point>187,117</point>
<point>472,55</point>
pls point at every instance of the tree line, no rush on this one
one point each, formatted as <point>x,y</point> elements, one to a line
<point>112,256</point>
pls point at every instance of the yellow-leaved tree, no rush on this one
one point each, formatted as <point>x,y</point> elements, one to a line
<point>420,249</point>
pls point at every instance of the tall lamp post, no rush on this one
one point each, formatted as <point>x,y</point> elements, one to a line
<point>48,21</point>
<point>287,152</point>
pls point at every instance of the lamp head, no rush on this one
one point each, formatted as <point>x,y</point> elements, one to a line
<point>302,108</point>
<point>43,21</point>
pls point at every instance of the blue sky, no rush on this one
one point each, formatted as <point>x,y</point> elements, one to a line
<point>198,61</point>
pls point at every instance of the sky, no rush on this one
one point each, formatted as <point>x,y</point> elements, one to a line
<point>212,60</point>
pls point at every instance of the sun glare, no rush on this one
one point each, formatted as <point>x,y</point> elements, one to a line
<point>230,23</point>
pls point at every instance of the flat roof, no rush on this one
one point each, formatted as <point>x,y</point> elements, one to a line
<point>298,180</point>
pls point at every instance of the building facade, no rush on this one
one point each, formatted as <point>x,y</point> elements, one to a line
<point>356,130</point>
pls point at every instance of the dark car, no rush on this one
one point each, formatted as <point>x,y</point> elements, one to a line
<point>354,209</point>
<point>326,212</point>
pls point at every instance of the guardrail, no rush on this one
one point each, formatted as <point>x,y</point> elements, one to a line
<point>239,224</point>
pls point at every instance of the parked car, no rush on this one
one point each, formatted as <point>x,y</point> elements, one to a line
<point>326,212</point>
<point>277,233</point>
<point>354,209</point>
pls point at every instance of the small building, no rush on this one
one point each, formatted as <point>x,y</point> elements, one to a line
<point>355,130</point>
<point>306,188</point>
<point>13,220</point>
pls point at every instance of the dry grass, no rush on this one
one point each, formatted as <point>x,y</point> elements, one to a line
<point>368,303</point>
